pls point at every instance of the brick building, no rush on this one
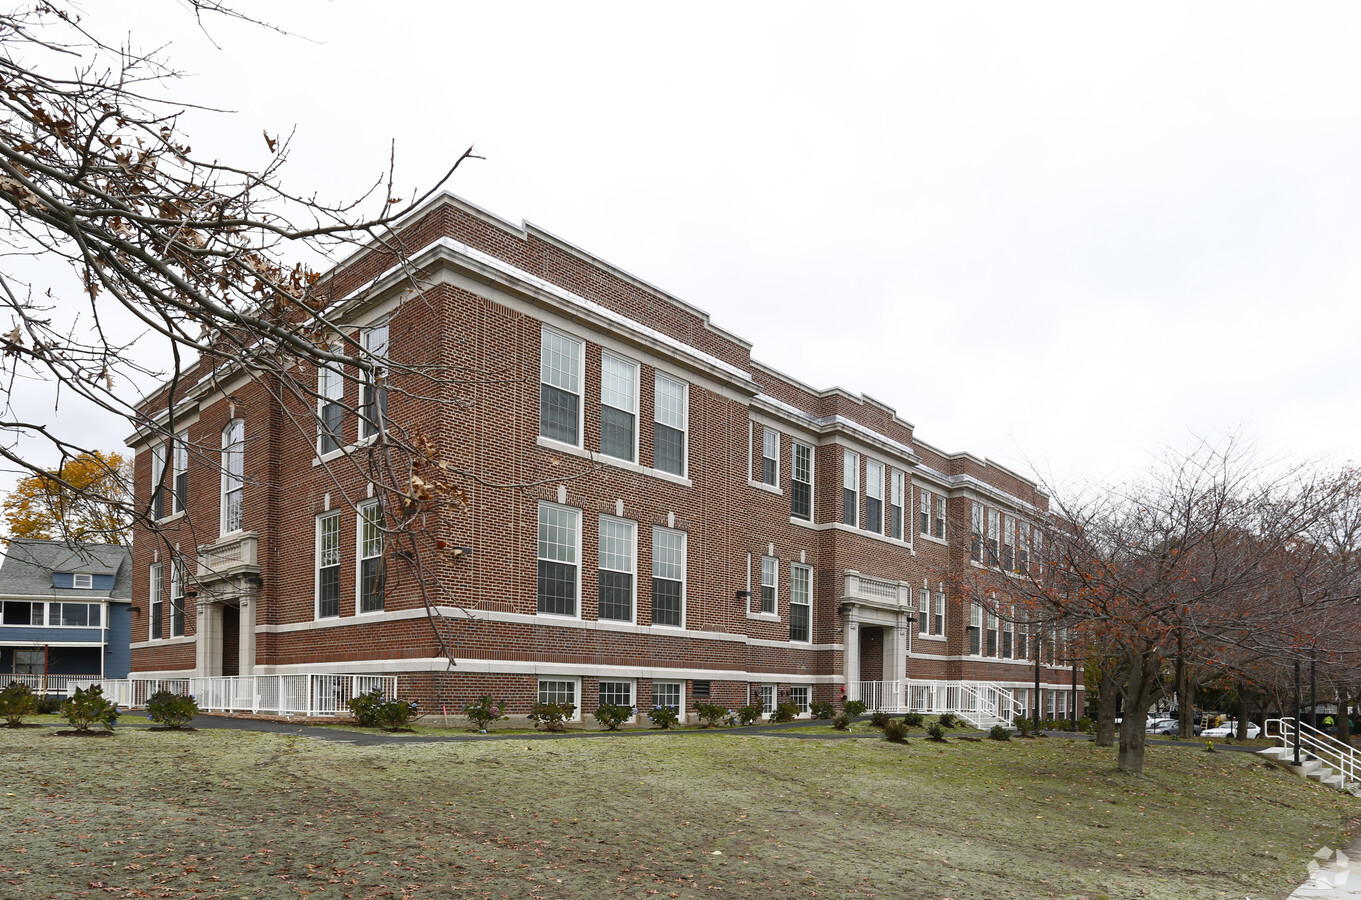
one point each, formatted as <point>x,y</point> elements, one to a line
<point>652,515</point>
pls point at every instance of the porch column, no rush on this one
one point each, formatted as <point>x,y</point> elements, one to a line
<point>895,657</point>
<point>246,637</point>
<point>852,658</point>
<point>208,638</point>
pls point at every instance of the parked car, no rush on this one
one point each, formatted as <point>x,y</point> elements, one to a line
<point>1168,726</point>
<point>1230,729</point>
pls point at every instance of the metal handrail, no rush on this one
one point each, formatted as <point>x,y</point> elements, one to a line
<point>1340,757</point>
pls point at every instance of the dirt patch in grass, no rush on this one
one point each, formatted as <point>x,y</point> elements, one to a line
<point>244,814</point>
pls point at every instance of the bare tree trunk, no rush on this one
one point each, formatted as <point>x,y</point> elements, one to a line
<point>1185,708</point>
<point>1141,675</point>
<point>1242,733</point>
<point>1105,708</point>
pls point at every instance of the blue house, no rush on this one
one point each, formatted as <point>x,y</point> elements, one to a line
<point>65,612</point>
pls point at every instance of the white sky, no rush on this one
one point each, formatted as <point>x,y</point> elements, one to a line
<point>1061,236</point>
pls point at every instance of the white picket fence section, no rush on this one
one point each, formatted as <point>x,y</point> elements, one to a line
<point>283,695</point>
<point>876,695</point>
<point>47,685</point>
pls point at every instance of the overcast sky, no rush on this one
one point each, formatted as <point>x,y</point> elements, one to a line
<point>1061,236</point>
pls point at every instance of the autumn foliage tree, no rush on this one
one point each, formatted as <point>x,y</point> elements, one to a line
<point>86,499</point>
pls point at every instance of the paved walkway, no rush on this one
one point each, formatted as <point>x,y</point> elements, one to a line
<point>1334,875</point>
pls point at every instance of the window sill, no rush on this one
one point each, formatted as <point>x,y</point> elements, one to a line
<point>933,539</point>
<point>768,488</point>
<point>764,617</point>
<point>323,458</point>
<point>573,450</point>
<point>562,617</point>
<point>939,638</point>
<point>165,520</point>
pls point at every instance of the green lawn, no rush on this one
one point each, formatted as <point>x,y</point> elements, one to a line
<point>243,814</point>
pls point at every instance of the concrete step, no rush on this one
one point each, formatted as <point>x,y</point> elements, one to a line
<point>1307,767</point>
<point>1279,754</point>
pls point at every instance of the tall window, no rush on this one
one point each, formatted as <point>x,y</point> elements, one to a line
<point>328,565</point>
<point>158,490</point>
<point>801,491</point>
<point>180,469</point>
<point>874,496</point>
<point>233,472</point>
<point>994,529</point>
<point>618,551</point>
<point>770,457</point>
<point>1008,543</point>
<point>940,518</point>
<point>668,577</point>
<point>670,417</point>
<point>770,577</point>
<point>560,388</point>
<point>976,532</point>
<point>1023,548</point>
<point>800,603</point>
<point>992,633</point>
<point>156,576</point>
<point>976,629</point>
<point>924,610</point>
<point>1022,639</point>
<point>371,567</point>
<point>177,597</point>
<point>559,550</point>
<point>330,415</point>
<point>767,699</point>
<point>924,514</point>
<point>895,506</point>
<point>850,488</point>
<point>373,399</point>
<point>940,613</point>
<point>1006,638</point>
<point>798,695</point>
<point>618,406</point>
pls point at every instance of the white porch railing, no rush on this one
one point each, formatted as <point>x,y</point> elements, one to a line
<point>876,695</point>
<point>45,685</point>
<point>1315,744</point>
<point>981,703</point>
<point>284,695</point>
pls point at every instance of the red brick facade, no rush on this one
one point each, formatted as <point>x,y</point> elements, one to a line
<point>465,347</point>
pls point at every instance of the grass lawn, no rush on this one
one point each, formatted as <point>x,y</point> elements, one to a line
<point>246,814</point>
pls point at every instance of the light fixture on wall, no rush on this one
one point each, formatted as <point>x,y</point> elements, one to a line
<point>744,595</point>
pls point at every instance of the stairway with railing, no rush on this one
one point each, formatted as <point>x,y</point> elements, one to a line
<point>1322,757</point>
<point>981,703</point>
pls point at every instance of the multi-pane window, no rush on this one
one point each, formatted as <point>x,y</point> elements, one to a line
<point>670,417</point>
<point>976,532</point>
<point>180,470</point>
<point>560,388</point>
<point>84,581</point>
<point>233,474</point>
<point>157,607</point>
<point>767,699</point>
<point>1022,639</point>
<point>158,489</point>
<point>371,566</point>
<point>798,695</point>
<point>895,506</point>
<point>770,457</point>
<point>801,487</point>
<point>328,565</point>
<point>618,406</point>
<point>770,578</point>
<point>924,610</point>
<point>77,615</point>
<point>558,691</point>
<point>939,624</point>
<point>800,603</point>
<point>1006,638</point>
<point>924,514</point>
<point>992,633</point>
<point>24,612</point>
<point>874,496</point>
<point>373,397</point>
<point>559,550</point>
<point>616,693</point>
<point>1008,543</point>
<point>994,529</point>
<point>668,693</point>
<point>330,415</point>
<point>177,597</point>
<point>939,523</point>
<point>668,577</point>
<point>1023,547</point>
<point>618,551</point>
<point>850,488</point>
<point>976,629</point>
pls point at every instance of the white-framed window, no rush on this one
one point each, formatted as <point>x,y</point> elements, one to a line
<point>768,697</point>
<point>617,693</point>
<point>850,488</point>
<point>924,610</point>
<point>874,496</point>
<point>177,597</point>
<point>82,581</point>
<point>559,555</point>
<point>770,457</point>
<point>25,612</point>
<point>618,564</point>
<point>976,629</point>
<point>991,540</point>
<point>179,461</point>
<point>770,584</point>
<point>992,633</point>
<point>670,693</point>
<point>233,475</point>
<point>1008,543</point>
<point>371,570</point>
<point>939,523</point>
<point>895,506</point>
<point>924,513</point>
<point>618,407</point>
<point>798,695</point>
<point>560,361</point>
<point>328,565</point>
<point>561,690</point>
<point>800,603</point>
<point>156,578</point>
<point>373,395</point>
<point>671,419</point>
<point>801,483</point>
<point>158,489</point>
<point>330,408</point>
<point>1008,648</point>
<point>75,615</point>
<point>668,577</point>
<point>1022,638</point>
<point>976,532</point>
<point>938,624</point>
<point>1023,532</point>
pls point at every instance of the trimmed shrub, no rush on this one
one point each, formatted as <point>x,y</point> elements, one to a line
<point>855,707</point>
<point>936,732</point>
<point>895,732</point>
<point>48,706</point>
<point>1085,725</point>
<point>1023,724</point>
<point>664,717</point>
<point>880,719</point>
<point>785,712</point>
<point>913,720</point>
<point>16,701</point>
<point>612,715</point>
<point>842,722</point>
<point>485,711</point>
<point>749,714</point>
<point>551,716</point>
<point>372,710</point>
<point>364,708</point>
<point>949,720</point>
<point>711,715</point>
<point>1000,733</point>
<point>170,709</point>
<point>397,714</point>
<point>822,709</point>
<point>88,707</point>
